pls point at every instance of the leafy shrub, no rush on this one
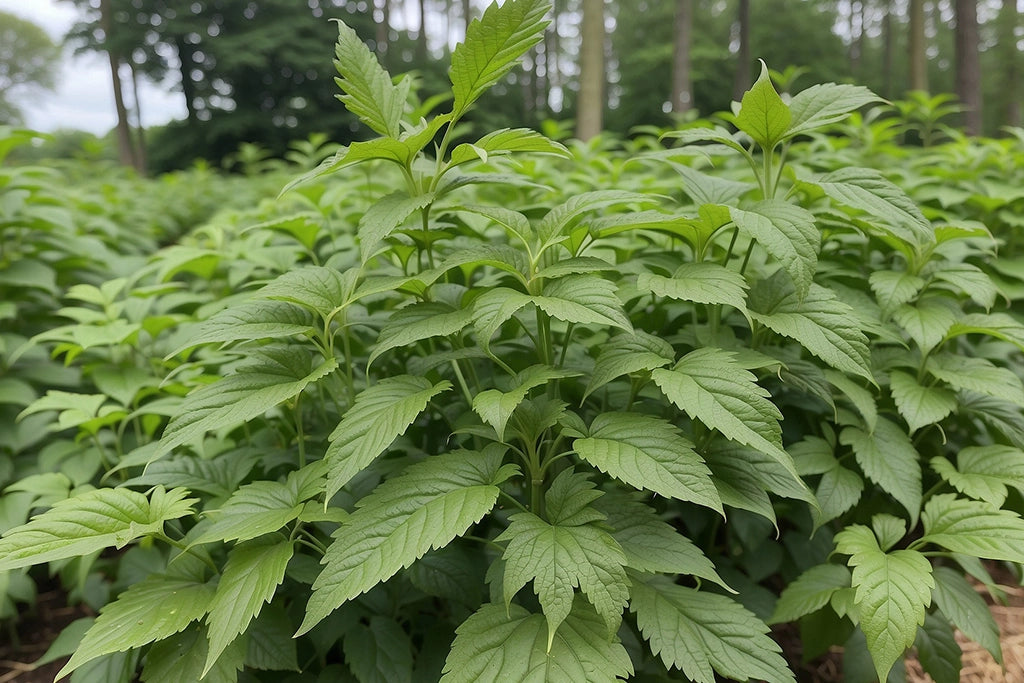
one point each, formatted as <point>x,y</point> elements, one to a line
<point>442,416</point>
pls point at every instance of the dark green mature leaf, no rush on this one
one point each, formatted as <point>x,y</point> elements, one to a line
<point>554,227</point>
<point>320,290</point>
<point>261,507</point>
<point>384,216</point>
<point>822,323</point>
<point>90,522</point>
<point>417,322</point>
<point>431,503</point>
<point>920,405</point>
<point>838,490</point>
<point>702,283</point>
<point>889,459</point>
<point>368,90</point>
<point>500,643</point>
<point>893,590</point>
<point>496,407</point>
<point>965,278</point>
<point>626,354</point>
<point>977,374</point>
<point>811,591</point>
<point>984,472</point>
<point>494,43</point>
<point>962,605</point>
<point>494,308</point>
<point>273,375</point>
<point>379,652</point>
<point>998,325</point>
<point>894,288</point>
<point>584,300</point>
<point>927,320</point>
<point>703,633</point>
<point>131,621</point>
<point>181,657</point>
<point>251,320</point>
<point>763,115</point>
<point>379,415</point>
<point>648,453</point>
<point>251,576</point>
<point>824,104</point>
<point>938,651</point>
<point>788,233</point>
<point>974,528</point>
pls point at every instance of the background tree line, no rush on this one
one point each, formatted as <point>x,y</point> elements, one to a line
<point>260,70</point>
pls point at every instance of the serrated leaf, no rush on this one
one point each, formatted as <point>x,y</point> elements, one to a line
<point>984,472</point>
<point>708,189</point>
<point>711,387</point>
<point>862,399</point>
<point>583,300</point>
<point>888,457</point>
<point>493,46</point>
<point>974,528</point>
<point>714,134</point>
<point>962,605</point>
<point>131,622</point>
<point>838,490</point>
<point>368,90</point>
<point>384,216</point>
<point>418,322</point>
<point>920,405</point>
<point>763,115</point>
<point>250,578</point>
<point>574,266</point>
<point>261,507</point>
<point>270,643</point>
<point>251,320</point>
<point>743,475</point>
<point>90,522</point>
<point>427,506</point>
<point>505,141</point>
<point>926,321</point>
<point>494,308</point>
<point>496,407</point>
<point>893,590</point>
<point>824,104</point>
<point>822,323</point>
<point>626,354</point>
<point>894,288</point>
<point>379,652</point>
<point>811,591</point>
<point>379,415</point>
<point>559,557</point>
<point>938,651</point>
<point>556,224</point>
<point>180,659</point>
<point>977,374</point>
<point>703,633</point>
<point>998,325</point>
<point>510,644</point>
<point>702,283</point>
<point>320,290</point>
<point>273,375</point>
<point>788,233</point>
<point>648,453</point>
<point>970,280</point>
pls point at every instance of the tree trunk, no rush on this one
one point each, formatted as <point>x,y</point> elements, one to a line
<point>467,13</point>
<point>383,27</point>
<point>918,57</point>
<point>968,64</point>
<point>188,86</point>
<point>421,39</point>
<point>553,49</point>
<point>140,133</point>
<point>1008,22</point>
<point>888,49</point>
<point>743,80</point>
<point>590,105</point>
<point>682,91</point>
<point>125,151</point>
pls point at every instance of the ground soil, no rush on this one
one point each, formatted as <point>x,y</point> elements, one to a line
<point>36,629</point>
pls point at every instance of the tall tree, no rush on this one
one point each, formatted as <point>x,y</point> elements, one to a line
<point>968,64</point>
<point>125,147</point>
<point>382,16</point>
<point>28,60</point>
<point>1009,23</point>
<point>590,105</point>
<point>888,48</point>
<point>682,87</point>
<point>743,79</point>
<point>421,37</point>
<point>918,56</point>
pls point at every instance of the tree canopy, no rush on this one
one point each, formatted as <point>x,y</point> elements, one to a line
<point>28,60</point>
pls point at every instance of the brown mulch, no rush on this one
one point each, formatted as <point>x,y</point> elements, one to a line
<point>36,630</point>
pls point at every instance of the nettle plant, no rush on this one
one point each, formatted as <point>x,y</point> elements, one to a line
<point>536,438</point>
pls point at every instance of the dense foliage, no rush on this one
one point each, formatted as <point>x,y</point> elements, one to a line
<point>510,410</point>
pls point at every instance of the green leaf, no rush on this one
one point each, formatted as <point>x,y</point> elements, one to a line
<point>251,576</point>
<point>557,223</point>
<point>763,115</point>
<point>894,288</point>
<point>710,386</point>
<point>131,621</point>
<point>626,354</point>
<point>494,44</point>
<point>977,374</point>
<point>261,507</point>
<point>583,300</point>
<point>838,490</point>
<point>418,322</point>
<point>496,407</point>
<point>962,605</point>
<point>273,375</point>
<point>505,141</point>
<point>974,528</point>
<point>811,591</point>
<point>557,558</point>
<point>431,503</point>
<point>379,652</point>
<point>893,590</point>
<point>493,308</point>
<point>270,643</point>
<point>702,283</point>
<point>510,644</point>
<point>648,453</point>
<point>920,405</point>
<point>862,399</point>
<point>822,323</point>
<point>320,290</point>
<point>368,90</point>
<point>703,633</point>
<point>180,659</point>
<point>971,280</point>
<point>379,415</point>
<point>927,321</point>
<point>984,472</point>
<point>938,651</point>
<point>384,216</point>
<point>824,104</point>
<point>888,458</point>
<point>788,233</point>
<point>998,325</point>
<point>90,522</point>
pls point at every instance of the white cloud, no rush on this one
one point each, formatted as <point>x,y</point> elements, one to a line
<point>83,97</point>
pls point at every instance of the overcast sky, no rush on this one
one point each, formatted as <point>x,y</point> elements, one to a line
<point>83,97</point>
